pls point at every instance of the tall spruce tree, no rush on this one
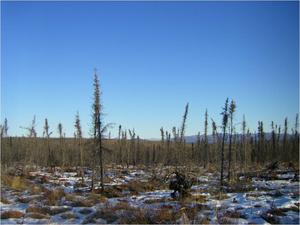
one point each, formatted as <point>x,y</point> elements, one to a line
<point>97,128</point>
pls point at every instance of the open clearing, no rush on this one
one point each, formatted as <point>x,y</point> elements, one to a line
<point>141,195</point>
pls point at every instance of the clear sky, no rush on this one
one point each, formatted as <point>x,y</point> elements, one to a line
<point>152,58</point>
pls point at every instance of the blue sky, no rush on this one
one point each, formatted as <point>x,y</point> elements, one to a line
<point>152,58</point>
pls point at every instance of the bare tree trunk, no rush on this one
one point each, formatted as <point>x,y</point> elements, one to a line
<point>222,156</point>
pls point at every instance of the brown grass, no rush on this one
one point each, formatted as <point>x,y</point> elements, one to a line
<point>11,214</point>
<point>136,187</point>
<point>91,200</point>
<point>232,214</point>
<point>158,200</point>
<point>57,210</point>
<point>122,205</point>
<point>83,203</point>
<point>4,200</point>
<point>36,215</point>
<point>70,197</point>
<point>204,220</point>
<point>110,214</point>
<point>221,196</point>
<point>40,210</point>
<point>96,198</point>
<point>35,189</point>
<point>195,198</point>
<point>53,196</point>
<point>68,215</point>
<point>164,215</point>
<point>110,192</point>
<point>138,216</point>
<point>15,182</point>
<point>47,210</point>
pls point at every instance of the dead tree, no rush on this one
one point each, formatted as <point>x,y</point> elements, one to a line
<point>46,134</point>
<point>31,129</point>
<point>244,141</point>
<point>182,133</point>
<point>32,138</point>
<point>132,146</point>
<point>4,129</point>
<point>198,144</point>
<point>285,149</point>
<point>120,145</point>
<point>60,133</point>
<point>296,139</point>
<point>205,155</point>
<point>215,143</point>
<point>138,149</point>
<point>183,126</point>
<point>224,124</point>
<point>78,135</point>
<point>232,108</point>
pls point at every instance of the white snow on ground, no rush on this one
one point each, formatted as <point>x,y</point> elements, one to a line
<point>282,193</point>
<point>289,175</point>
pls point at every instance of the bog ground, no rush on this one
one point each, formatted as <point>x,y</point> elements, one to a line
<point>142,195</point>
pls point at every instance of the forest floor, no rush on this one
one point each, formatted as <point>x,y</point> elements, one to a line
<point>139,195</point>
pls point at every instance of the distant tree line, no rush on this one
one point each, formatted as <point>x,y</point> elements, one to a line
<point>226,150</point>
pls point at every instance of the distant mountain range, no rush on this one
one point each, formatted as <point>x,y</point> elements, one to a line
<point>193,138</point>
